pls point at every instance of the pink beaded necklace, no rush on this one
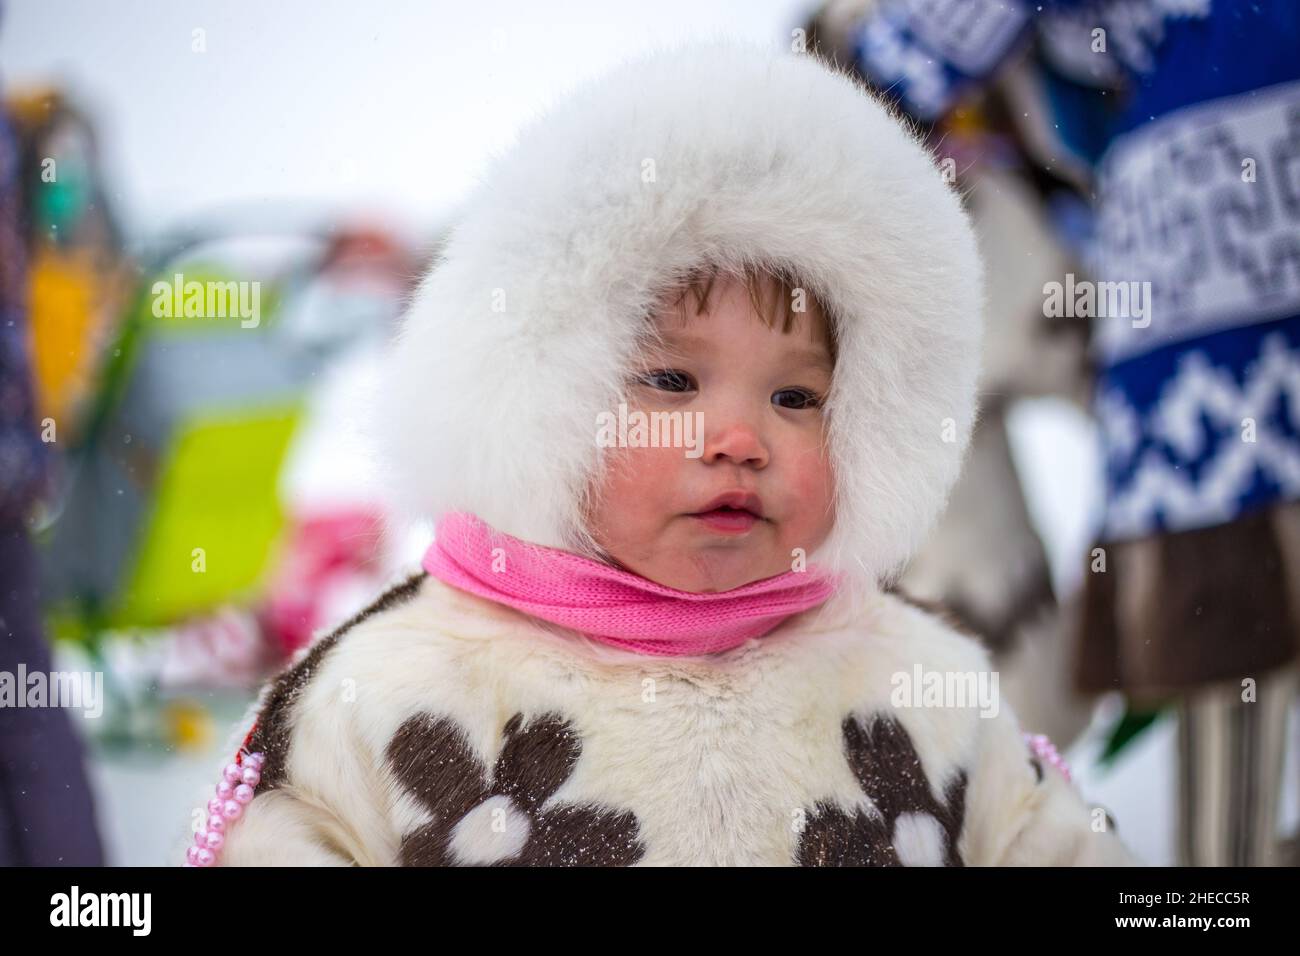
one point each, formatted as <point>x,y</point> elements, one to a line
<point>235,791</point>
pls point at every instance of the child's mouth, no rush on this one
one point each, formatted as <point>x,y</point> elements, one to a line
<point>727,520</point>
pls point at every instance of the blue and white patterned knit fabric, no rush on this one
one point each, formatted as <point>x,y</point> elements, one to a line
<point>1198,217</point>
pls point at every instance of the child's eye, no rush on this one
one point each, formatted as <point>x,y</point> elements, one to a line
<point>667,380</point>
<point>802,398</point>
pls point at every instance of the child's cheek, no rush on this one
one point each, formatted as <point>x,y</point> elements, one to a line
<point>812,481</point>
<point>642,476</point>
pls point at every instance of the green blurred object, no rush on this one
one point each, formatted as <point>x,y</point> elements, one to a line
<point>1131,725</point>
<point>215,518</point>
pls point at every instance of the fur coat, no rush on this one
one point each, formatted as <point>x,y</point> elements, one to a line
<point>438,728</point>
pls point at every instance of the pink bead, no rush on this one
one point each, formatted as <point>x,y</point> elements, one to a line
<point>258,759</point>
<point>217,823</point>
<point>215,840</point>
<point>232,772</point>
<point>243,793</point>
<point>192,855</point>
<point>251,776</point>
<point>215,804</point>
<point>206,858</point>
<point>231,810</point>
<point>199,837</point>
<point>224,789</point>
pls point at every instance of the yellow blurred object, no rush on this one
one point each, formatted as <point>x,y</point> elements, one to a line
<point>967,118</point>
<point>68,303</point>
<point>189,725</point>
<point>34,105</point>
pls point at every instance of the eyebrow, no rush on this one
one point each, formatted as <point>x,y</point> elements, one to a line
<point>814,358</point>
<point>806,356</point>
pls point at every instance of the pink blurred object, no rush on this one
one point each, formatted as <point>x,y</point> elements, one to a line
<point>224,649</point>
<point>331,566</point>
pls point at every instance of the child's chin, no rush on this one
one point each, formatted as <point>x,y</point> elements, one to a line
<point>707,571</point>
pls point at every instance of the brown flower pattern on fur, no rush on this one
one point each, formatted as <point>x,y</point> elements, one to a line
<point>889,770</point>
<point>432,758</point>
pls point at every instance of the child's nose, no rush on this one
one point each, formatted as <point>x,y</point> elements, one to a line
<point>737,441</point>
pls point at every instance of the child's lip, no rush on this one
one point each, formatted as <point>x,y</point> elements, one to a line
<point>727,521</point>
<point>738,500</point>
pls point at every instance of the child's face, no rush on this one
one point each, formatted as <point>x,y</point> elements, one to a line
<point>759,392</point>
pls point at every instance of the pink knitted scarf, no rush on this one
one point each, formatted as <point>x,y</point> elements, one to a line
<point>608,604</point>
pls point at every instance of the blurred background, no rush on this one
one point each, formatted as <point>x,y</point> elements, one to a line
<point>308,157</point>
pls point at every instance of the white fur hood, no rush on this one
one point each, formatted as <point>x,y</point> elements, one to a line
<point>518,340</point>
